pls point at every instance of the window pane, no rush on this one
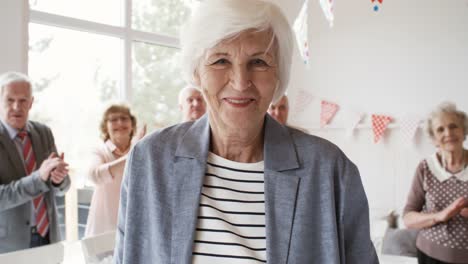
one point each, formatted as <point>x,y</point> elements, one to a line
<point>101,11</point>
<point>156,84</point>
<point>75,75</point>
<point>159,16</point>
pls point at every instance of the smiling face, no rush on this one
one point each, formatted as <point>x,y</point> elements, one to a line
<point>16,101</point>
<point>238,78</point>
<point>119,126</point>
<point>448,133</point>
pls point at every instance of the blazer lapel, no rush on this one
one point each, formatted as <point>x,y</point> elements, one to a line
<point>281,187</point>
<point>189,170</point>
<point>12,153</point>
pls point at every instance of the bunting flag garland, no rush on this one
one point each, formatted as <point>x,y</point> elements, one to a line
<point>379,125</point>
<point>408,127</point>
<point>327,7</point>
<point>328,111</point>
<point>352,119</point>
<point>303,99</point>
<point>300,28</point>
<point>376,6</point>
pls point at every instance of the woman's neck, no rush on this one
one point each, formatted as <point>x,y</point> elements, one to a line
<point>122,144</point>
<point>453,161</point>
<point>241,145</point>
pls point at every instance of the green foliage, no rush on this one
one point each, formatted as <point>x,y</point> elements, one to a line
<point>156,69</point>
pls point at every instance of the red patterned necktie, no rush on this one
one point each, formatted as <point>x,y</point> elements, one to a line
<point>40,207</point>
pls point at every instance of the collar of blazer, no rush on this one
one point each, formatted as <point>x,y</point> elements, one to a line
<point>8,146</point>
<point>281,188</point>
<point>12,152</point>
<point>278,148</point>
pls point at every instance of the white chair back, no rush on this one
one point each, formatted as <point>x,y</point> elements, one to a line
<point>96,248</point>
<point>50,254</point>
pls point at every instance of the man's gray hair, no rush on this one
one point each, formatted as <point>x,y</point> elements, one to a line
<point>10,77</point>
<point>184,90</point>
<point>215,21</point>
<point>446,108</point>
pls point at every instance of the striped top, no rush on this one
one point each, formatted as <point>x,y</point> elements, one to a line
<point>231,217</point>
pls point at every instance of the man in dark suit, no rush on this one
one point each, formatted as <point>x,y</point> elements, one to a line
<point>31,171</point>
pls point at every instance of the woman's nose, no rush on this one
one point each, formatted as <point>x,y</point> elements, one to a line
<point>241,78</point>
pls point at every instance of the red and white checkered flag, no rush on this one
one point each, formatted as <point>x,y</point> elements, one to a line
<point>379,125</point>
<point>303,99</point>
<point>408,127</point>
<point>328,111</point>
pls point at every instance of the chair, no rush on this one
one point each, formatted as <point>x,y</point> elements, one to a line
<point>98,247</point>
<point>50,254</point>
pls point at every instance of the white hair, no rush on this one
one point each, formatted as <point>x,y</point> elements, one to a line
<point>10,77</point>
<point>446,108</point>
<point>184,90</point>
<point>218,20</point>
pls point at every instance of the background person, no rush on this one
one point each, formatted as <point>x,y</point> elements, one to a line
<point>438,199</point>
<point>31,172</point>
<point>118,128</point>
<point>280,110</point>
<point>191,104</point>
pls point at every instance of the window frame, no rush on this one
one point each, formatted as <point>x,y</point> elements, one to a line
<point>128,35</point>
<point>124,32</point>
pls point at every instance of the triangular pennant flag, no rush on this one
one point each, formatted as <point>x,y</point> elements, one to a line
<point>408,127</point>
<point>379,125</point>
<point>303,99</point>
<point>327,112</point>
<point>376,6</point>
<point>327,7</point>
<point>353,118</point>
<point>300,28</point>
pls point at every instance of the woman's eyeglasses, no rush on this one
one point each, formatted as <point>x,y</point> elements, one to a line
<point>115,119</point>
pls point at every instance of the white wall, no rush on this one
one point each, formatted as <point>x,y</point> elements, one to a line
<point>404,59</point>
<point>13,40</point>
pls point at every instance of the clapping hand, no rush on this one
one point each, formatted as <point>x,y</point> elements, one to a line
<point>139,135</point>
<point>54,167</point>
<point>456,207</point>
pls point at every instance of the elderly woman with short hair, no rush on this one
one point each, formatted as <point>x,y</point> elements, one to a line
<point>438,199</point>
<point>118,131</point>
<point>236,186</point>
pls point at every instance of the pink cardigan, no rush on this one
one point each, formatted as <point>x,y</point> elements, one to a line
<point>106,171</point>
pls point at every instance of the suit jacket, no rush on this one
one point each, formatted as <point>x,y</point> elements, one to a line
<point>315,205</point>
<point>18,189</point>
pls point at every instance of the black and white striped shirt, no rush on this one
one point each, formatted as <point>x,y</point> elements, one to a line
<point>231,218</point>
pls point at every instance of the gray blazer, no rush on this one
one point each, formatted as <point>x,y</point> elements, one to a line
<point>18,189</point>
<point>316,208</point>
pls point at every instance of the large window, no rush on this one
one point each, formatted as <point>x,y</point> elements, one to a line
<point>156,75</point>
<point>84,55</point>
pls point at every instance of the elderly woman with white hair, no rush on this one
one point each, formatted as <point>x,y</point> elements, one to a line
<point>236,186</point>
<point>438,200</point>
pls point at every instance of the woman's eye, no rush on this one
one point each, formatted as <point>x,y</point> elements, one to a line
<point>259,62</point>
<point>220,62</point>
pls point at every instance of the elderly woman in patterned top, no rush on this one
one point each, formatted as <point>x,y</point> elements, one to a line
<point>438,200</point>
<point>236,186</point>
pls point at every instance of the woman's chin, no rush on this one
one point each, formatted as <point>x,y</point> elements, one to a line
<point>121,136</point>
